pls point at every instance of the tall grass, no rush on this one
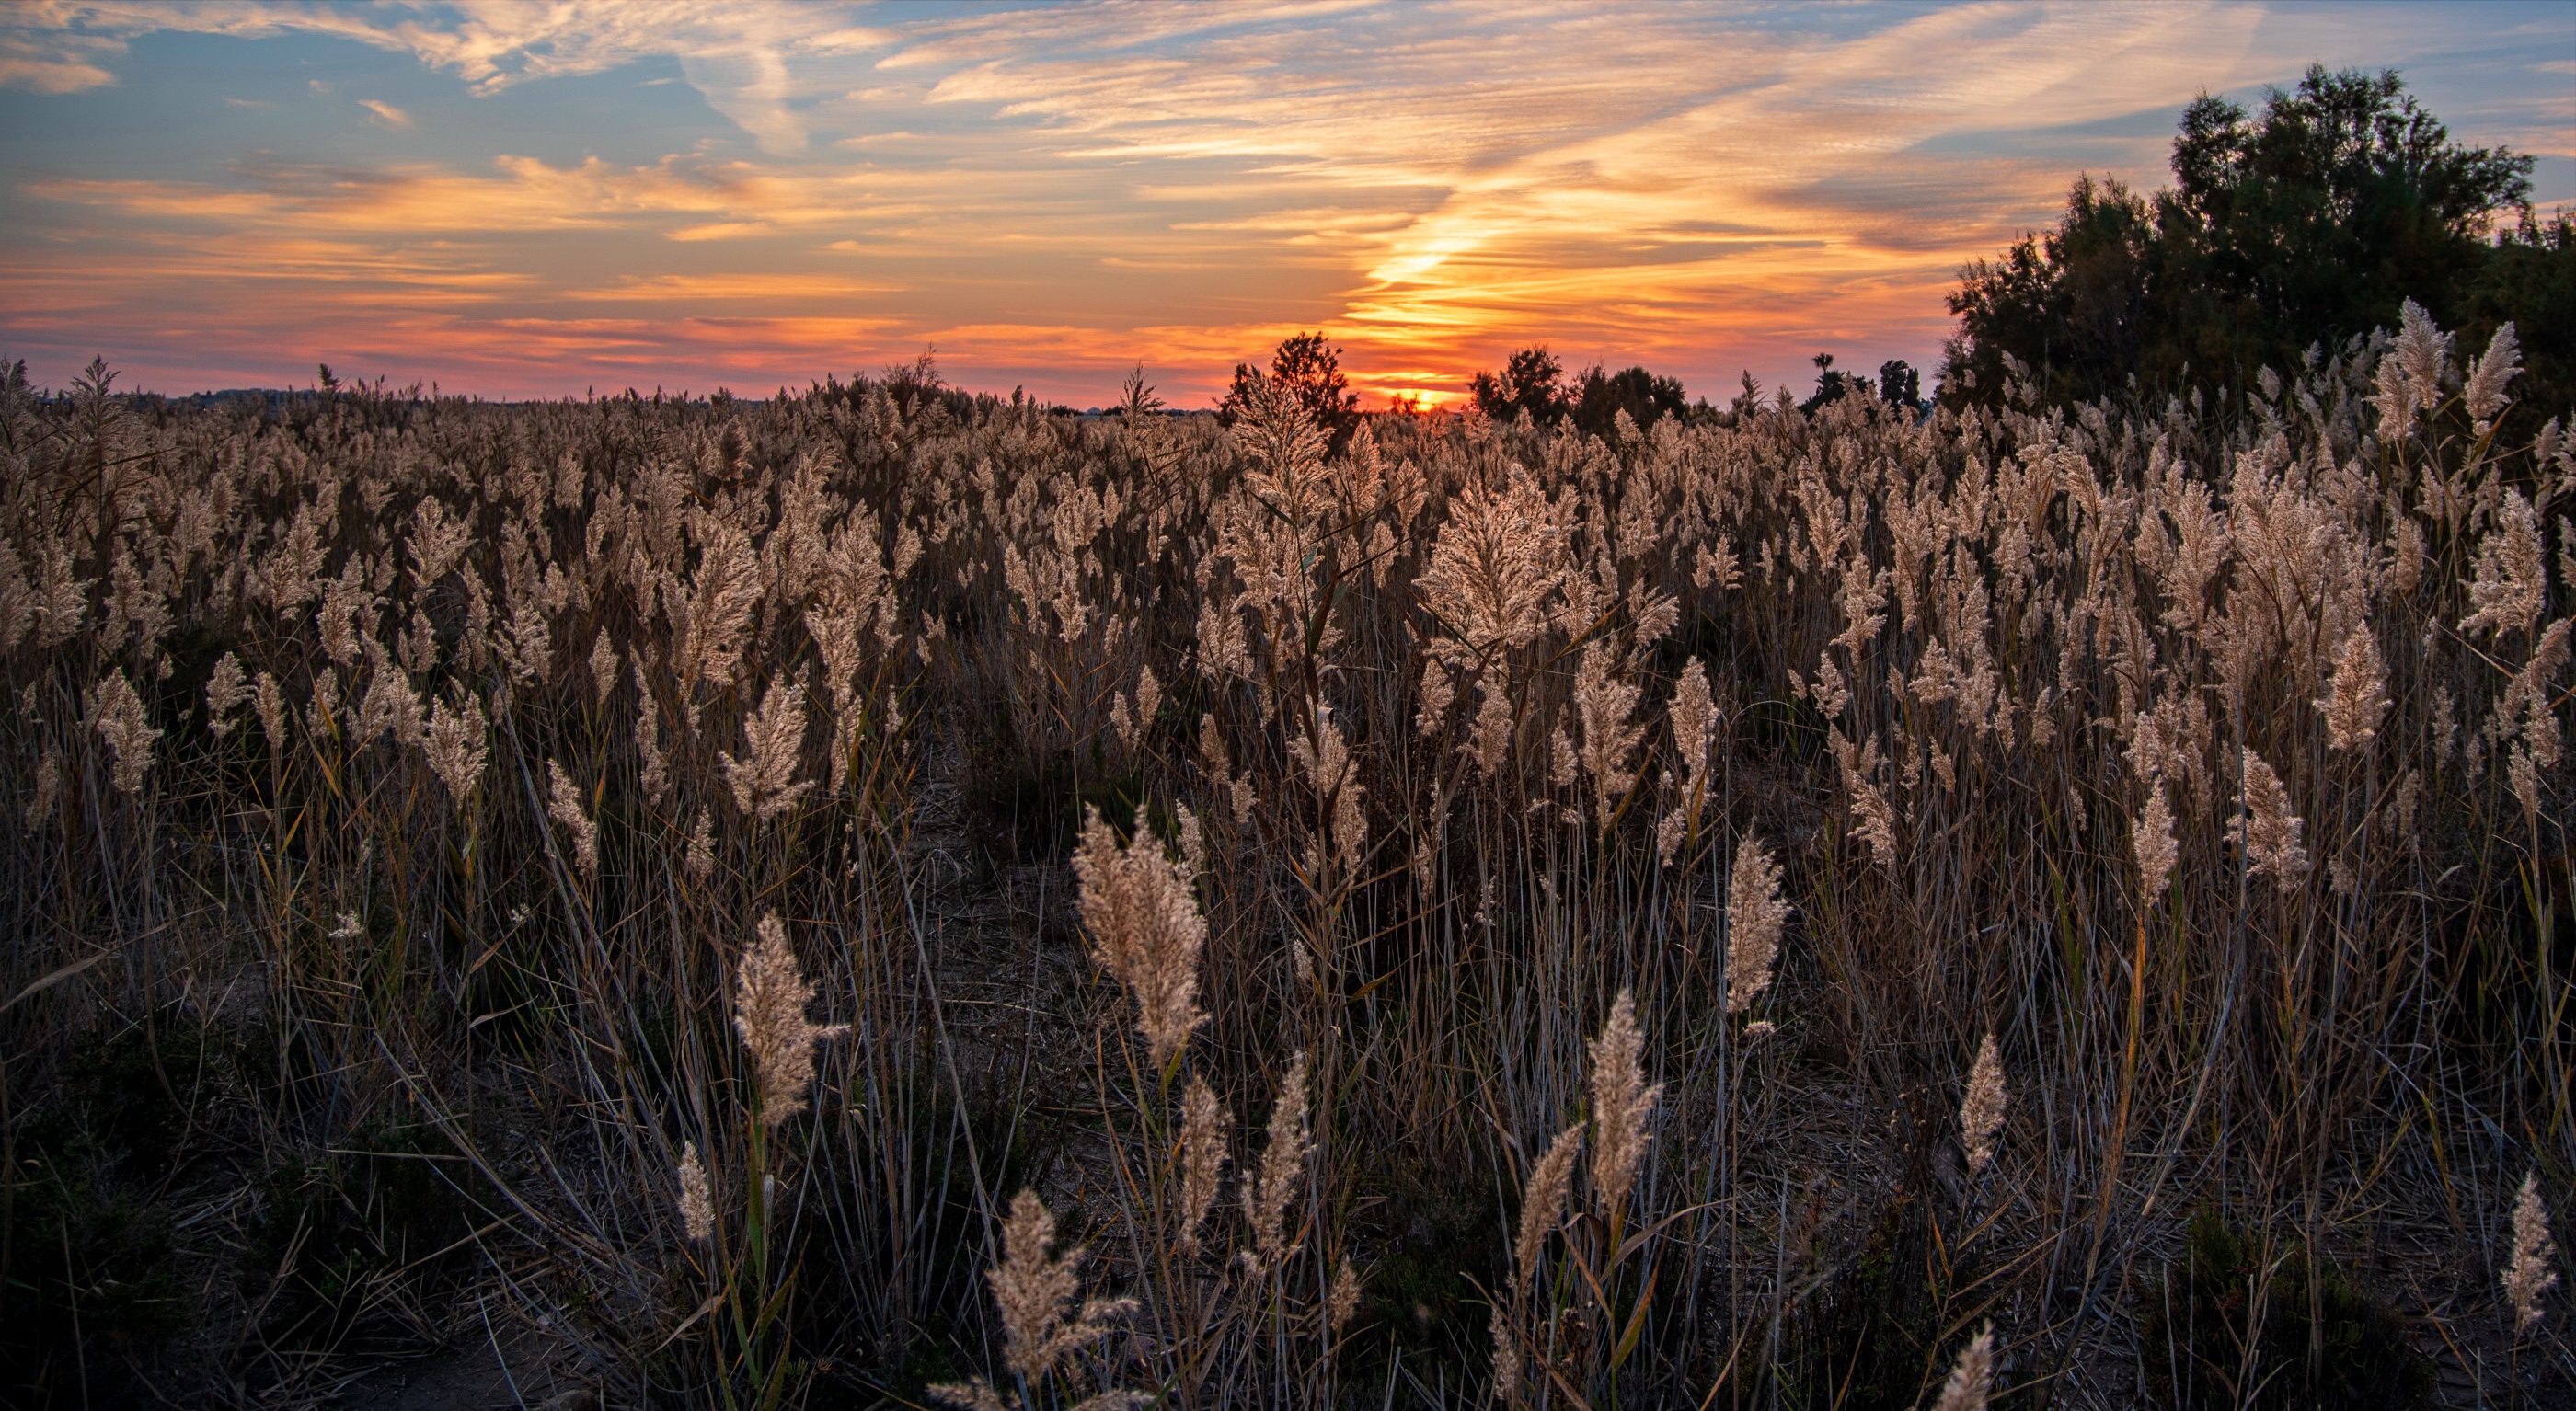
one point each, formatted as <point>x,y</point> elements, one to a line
<point>1776,911</point>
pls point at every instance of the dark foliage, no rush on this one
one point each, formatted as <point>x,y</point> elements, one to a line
<point>1312,367</point>
<point>2217,1332</point>
<point>2300,228</point>
<point>1533,384</point>
<point>1646,398</point>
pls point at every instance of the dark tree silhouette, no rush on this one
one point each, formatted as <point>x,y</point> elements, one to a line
<point>1532,384</point>
<point>2301,227</point>
<point>1312,367</point>
<point>1833,385</point>
<point>1599,398</point>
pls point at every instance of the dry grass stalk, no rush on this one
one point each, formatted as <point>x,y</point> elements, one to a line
<point>1204,1120</point>
<point>1981,1112</point>
<point>1755,916</point>
<point>2528,1275</point>
<point>1146,930</point>
<point>116,713</point>
<point>1266,1196</point>
<point>2358,698</point>
<point>564,806</point>
<point>771,996</point>
<point>1972,1379</point>
<point>697,1204</point>
<point>1034,1290</point>
<point>2268,830</point>
<point>764,779</point>
<point>1621,1103</point>
<point>2152,838</point>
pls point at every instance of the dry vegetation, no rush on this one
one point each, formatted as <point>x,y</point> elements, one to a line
<point>1781,911</point>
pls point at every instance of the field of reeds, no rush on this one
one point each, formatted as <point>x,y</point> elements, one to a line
<point>704,902</point>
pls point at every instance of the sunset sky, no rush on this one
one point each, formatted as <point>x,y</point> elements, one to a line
<point>531,200</point>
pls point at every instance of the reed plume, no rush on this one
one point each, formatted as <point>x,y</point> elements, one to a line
<point>1621,1103</point>
<point>1542,1210</point>
<point>771,996</point>
<point>1034,1289</point>
<point>2268,830</point>
<point>116,714</point>
<point>1266,1196</point>
<point>1755,915</point>
<point>1146,930</point>
<point>1203,1155</point>
<point>764,779</point>
<point>2358,697</point>
<point>697,1205</point>
<point>226,688</point>
<point>1981,1112</point>
<point>454,745</point>
<point>2152,839</point>
<point>564,806</point>
<point>2528,1275</point>
<point>1972,1379</point>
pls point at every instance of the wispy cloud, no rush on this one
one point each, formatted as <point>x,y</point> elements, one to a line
<point>1053,193</point>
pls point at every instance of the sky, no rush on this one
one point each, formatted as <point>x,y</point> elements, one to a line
<point>537,199</point>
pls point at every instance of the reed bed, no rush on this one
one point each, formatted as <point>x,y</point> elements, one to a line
<point>878,895</point>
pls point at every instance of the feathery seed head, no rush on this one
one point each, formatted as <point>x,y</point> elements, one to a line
<point>1283,1164</point>
<point>1342,1298</point>
<point>1621,1103</point>
<point>270,701</point>
<point>2528,1274</point>
<point>1543,1204</point>
<point>563,805</point>
<point>1034,1291</point>
<point>2358,696</point>
<point>2483,393</point>
<point>697,1204</point>
<point>2153,838</point>
<point>116,713</point>
<point>771,996</point>
<point>225,689</point>
<point>1203,1125</point>
<point>1755,915</point>
<point>2512,578</point>
<point>1972,1380</point>
<point>2267,829</point>
<point>1981,1113</point>
<point>1146,930</point>
<point>763,780</point>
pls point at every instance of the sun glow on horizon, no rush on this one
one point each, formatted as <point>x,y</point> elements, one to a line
<point>534,202</point>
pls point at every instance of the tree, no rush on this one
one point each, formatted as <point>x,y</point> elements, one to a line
<point>1312,368</point>
<point>1832,386</point>
<point>1599,398</point>
<point>1899,385</point>
<point>2530,281</point>
<point>1532,384</point>
<point>2308,225</point>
